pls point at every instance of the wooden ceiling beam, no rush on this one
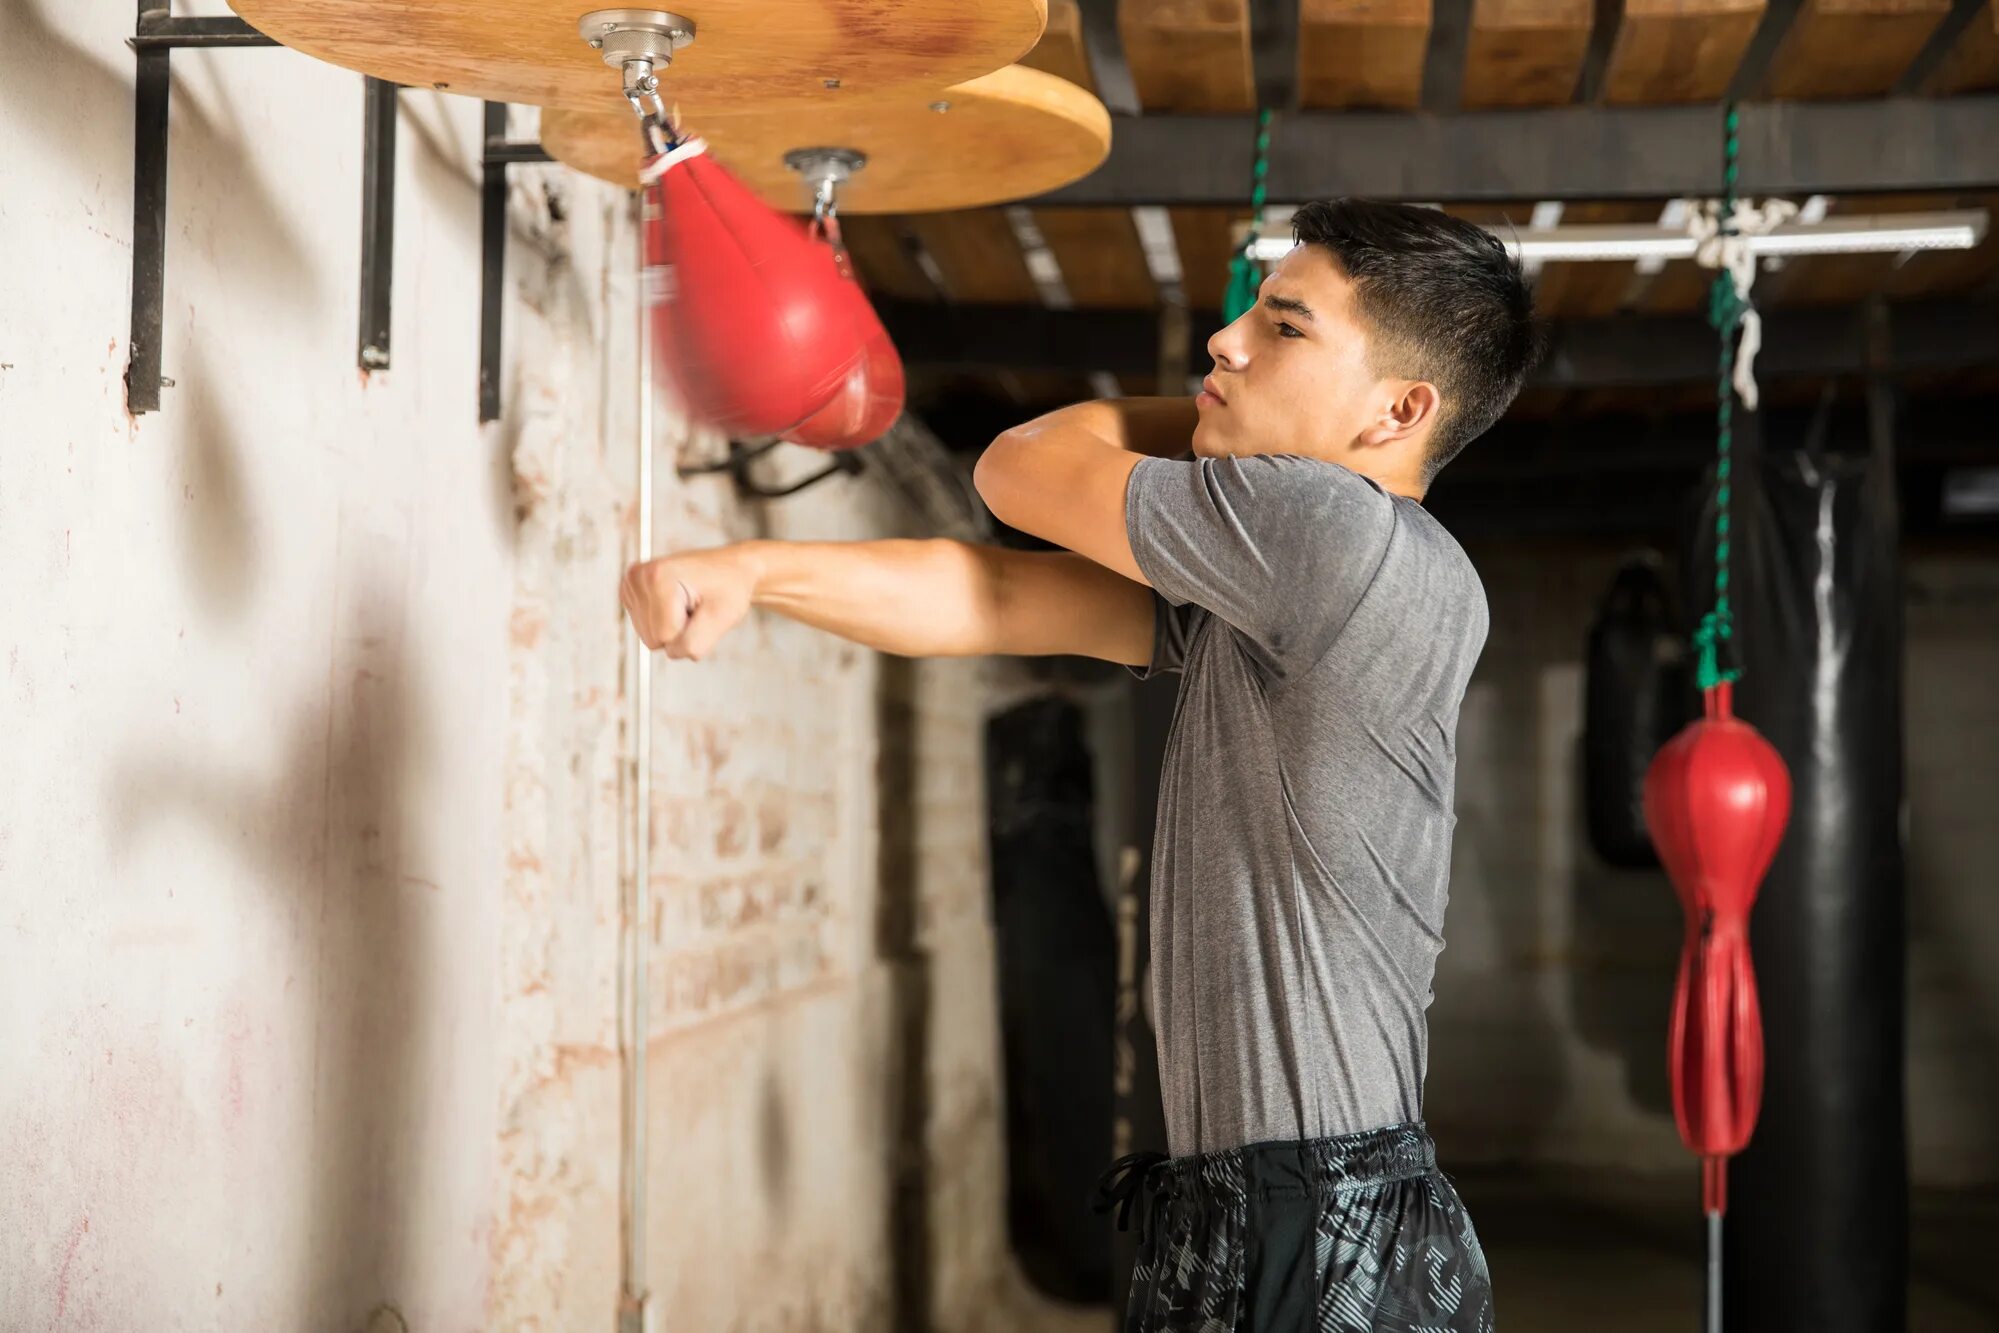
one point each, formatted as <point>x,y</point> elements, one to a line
<point>1852,48</point>
<point>1678,50</point>
<point>1526,52</point>
<point>1362,53</point>
<point>1969,62</point>
<point>1189,55</point>
<point>1568,153</point>
<point>1096,249</point>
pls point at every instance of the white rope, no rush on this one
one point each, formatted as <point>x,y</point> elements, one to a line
<point>1730,250</point>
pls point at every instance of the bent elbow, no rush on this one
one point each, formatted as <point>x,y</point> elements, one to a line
<point>995,476</point>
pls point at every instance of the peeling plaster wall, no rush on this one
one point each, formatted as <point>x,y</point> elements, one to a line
<point>312,824</point>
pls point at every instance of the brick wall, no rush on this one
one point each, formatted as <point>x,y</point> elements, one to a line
<point>823,1074</point>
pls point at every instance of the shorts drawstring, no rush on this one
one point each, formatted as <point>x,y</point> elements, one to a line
<point>1128,1177</point>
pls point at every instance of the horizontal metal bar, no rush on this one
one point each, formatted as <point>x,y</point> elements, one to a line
<point>1939,144</point>
<point>1582,353</point>
<point>502,152</point>
<point>158,29</point>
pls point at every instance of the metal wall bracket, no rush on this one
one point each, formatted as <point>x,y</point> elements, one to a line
<point>378,220</point>
<point>153,40</point>
<point>156,35</point>
<point>845,462</point>
<point>497,155</point>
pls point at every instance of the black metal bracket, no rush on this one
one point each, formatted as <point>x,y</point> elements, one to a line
<point>497,154</point>
<point>156,35</point>
<point>378,220</point>
<point>153,41</point>
<point>845,462</point>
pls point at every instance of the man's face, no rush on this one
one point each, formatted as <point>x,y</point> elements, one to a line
<point>1291,376</point>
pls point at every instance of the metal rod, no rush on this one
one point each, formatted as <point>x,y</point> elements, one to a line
<point>738,455</point>
<point>847,464</point>
<point>149,229</point>
<point>631,1306</point>
<point>492,265</point>
<point>159,31</point>
<point>378,220</point>
<point>1713,1323</point>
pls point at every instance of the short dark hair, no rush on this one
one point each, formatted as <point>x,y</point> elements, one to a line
<point>1447,301</point>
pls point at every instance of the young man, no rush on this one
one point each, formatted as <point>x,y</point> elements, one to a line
<point>1326,626</point>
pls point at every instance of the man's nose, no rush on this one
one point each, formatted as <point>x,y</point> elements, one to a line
<point>1226,347</point>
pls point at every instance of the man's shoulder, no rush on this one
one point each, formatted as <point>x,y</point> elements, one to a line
<point>1427,555</point>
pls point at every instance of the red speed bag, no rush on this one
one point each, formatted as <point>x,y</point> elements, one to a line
<point>866,405</point>
<point>753,322</point>
<point>1717,798</point>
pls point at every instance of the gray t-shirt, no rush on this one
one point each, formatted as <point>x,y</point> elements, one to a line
<point>1326,629</point>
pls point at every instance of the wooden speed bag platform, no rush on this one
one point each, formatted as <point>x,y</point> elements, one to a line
<point>743,54</point>
<point>1011,134</point>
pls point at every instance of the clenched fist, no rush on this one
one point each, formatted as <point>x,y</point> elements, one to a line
<point>685,603</point>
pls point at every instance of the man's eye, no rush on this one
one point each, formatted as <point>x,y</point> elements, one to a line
<point>1287,331</point>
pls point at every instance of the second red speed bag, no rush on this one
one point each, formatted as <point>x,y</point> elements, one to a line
<point>1717,799</point>
<point>754,324</point>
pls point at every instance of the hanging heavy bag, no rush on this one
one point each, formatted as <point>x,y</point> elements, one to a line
<point>1634,700</point>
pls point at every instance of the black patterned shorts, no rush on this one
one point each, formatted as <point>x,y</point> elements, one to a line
<point>1340,1235</point>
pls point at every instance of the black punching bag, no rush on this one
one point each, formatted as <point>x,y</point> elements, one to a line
<point>1817,1228</point>
<point>1634,700</point>
<point>1056,964</point>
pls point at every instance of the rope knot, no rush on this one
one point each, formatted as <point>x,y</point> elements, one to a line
<point>1722,230</point>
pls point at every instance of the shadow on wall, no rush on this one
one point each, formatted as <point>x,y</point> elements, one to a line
<point>326,836</point>
<point>554,290</point>
<point>898,940</point>
<point>1626,956</point>
<point>1959,946</point>
<point>218,536</point>
<point>48,74</point>
<point>1495,1044</point>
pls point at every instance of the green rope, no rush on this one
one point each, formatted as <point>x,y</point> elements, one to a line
<point>1243,279</point>
<point>1725,308</point>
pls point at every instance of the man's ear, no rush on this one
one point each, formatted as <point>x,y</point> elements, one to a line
<point>1415,408</point>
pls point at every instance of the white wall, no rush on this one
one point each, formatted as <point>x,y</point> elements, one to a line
<point>251,821</point>
<point>311,824</point>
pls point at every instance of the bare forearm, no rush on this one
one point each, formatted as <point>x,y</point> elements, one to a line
<point>1157,427</point>
<point>912,598</point>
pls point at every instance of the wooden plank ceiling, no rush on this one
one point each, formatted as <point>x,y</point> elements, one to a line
<point>1195,56</point>
<point>1678,50</point>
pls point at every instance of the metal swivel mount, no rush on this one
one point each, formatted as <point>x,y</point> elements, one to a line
<point>824,171</point>
<point>640,42</point>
